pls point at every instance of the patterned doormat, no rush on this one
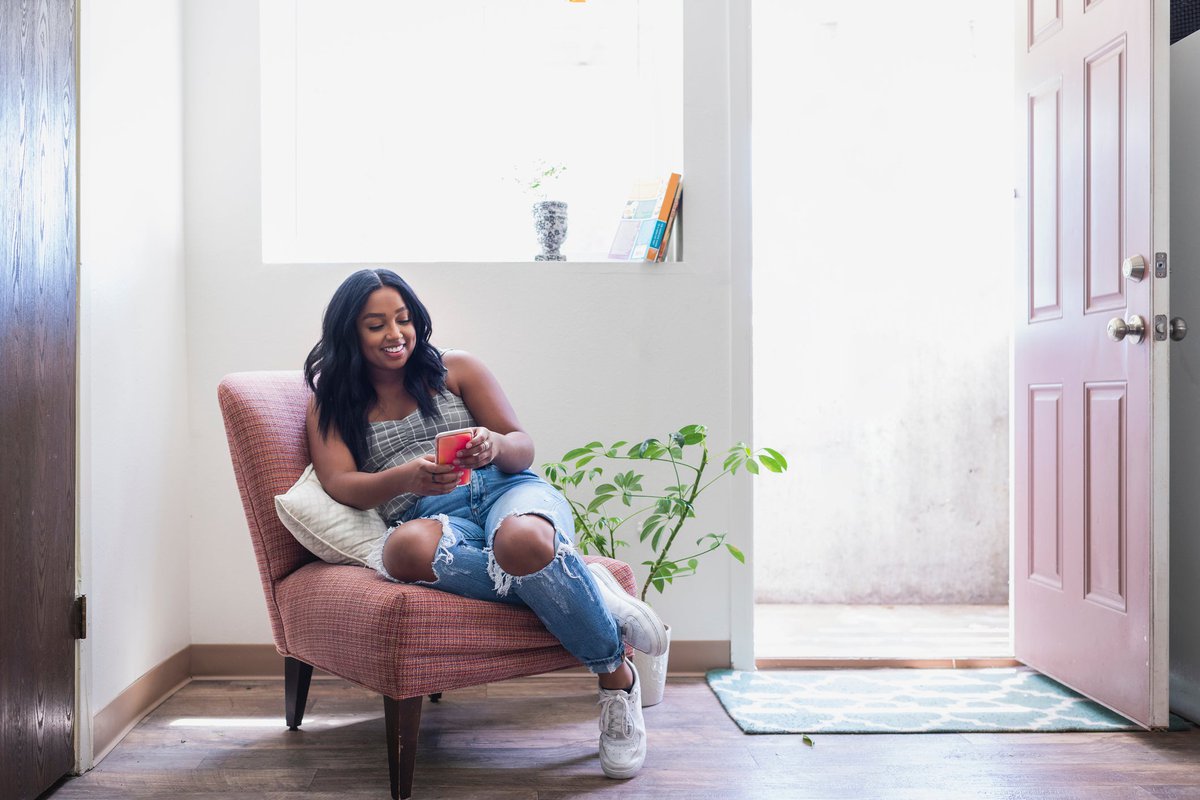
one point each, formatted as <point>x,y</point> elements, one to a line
<point>909,701</point>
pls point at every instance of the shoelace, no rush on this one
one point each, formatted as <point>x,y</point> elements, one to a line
<point>615,717</point>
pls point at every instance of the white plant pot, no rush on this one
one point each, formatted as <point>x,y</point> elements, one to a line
<point>652,672</point>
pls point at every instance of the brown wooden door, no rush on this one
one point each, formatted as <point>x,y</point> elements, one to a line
<point>1089,413</point>
<point>37,393</point>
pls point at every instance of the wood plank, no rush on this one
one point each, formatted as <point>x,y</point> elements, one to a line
<point>537,738</point>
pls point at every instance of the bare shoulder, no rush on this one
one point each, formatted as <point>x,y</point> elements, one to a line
<point>462,368</point>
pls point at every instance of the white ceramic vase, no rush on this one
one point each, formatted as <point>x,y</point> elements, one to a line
<point>652,672</point>
<point>550,224</point>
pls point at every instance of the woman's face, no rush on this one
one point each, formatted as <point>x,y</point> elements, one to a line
<point>385,330</point>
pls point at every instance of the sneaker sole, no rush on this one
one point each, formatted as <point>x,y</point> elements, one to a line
<point>650,620</point>
<point>621,775</point>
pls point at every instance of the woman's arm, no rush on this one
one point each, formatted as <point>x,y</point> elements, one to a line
<point>342,480</point>
<point>498,438</point>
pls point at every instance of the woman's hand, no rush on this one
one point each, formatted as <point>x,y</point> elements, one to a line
<point>484,447</point>
<point>425,477</point>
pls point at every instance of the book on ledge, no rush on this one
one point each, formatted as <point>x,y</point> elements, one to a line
<point>666,209</point>
<point>642,218</point>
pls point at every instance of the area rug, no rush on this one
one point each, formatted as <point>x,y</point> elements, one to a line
<point>1010,699</point>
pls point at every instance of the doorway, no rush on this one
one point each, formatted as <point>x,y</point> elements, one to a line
<point>883,188</point>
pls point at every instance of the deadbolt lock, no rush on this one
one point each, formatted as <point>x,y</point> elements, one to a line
<point>1134,268</point>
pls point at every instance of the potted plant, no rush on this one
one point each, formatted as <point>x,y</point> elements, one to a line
<point>549,216</point>
<point>608,502</point>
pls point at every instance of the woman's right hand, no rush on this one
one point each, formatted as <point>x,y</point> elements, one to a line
<point>425,477</point>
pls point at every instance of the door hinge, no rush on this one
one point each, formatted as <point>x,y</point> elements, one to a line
<point>79,617</point>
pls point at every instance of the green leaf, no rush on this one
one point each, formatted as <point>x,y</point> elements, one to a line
<point>676,439</point>
<point>584,460</point>
<point>642,448</point>
<point>770,463</point>
<point>606,488</point>
<point>738,554</point>
<point>779,459</point>
<point>663,505</point>
<point>751,467</point>
<point>807,740</point>
<point>627,498</point>
<point>693,563</point>
<point>657,536</point>
<point>600,500</point>
<point>577,453</point>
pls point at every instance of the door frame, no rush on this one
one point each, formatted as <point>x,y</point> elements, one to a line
<point>741,316</point>
<point>742,583</point>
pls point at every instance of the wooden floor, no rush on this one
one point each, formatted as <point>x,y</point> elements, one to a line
<point>535,739</point>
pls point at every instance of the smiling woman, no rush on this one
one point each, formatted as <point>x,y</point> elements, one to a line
<point>381,396</point>
<point>388,129</point>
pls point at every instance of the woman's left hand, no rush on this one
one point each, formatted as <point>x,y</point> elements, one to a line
<point>481,450</point>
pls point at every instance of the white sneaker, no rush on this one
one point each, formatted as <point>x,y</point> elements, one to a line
<point>640,626</point>
<point>622,729</point>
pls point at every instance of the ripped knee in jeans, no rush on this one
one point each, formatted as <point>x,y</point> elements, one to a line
<point>532,556</point>
<point>408,559</point>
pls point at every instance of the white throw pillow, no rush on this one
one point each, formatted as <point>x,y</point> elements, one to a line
<point>333,532</point>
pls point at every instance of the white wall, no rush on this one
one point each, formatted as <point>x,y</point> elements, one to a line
<point>134,465</point>
<point>1185,377</point>
<point>584,350</point>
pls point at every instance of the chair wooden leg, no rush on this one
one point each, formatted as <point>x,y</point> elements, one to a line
<point>296,676</point>
<point>403,719</point>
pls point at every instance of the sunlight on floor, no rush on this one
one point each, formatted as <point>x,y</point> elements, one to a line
<point>310,722</point>
<point>881,631</point>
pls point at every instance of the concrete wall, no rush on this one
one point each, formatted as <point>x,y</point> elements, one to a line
<point>133,427</point>
<point>585,351</point>
<point>1185,377</point>
<point>882,274</point>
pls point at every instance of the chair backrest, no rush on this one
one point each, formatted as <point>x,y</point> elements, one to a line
<point>264,415</point>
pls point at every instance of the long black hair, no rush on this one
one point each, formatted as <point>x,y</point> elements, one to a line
<point>335,370</point>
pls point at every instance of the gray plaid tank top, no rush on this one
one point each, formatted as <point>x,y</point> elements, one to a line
<point>397,441</point>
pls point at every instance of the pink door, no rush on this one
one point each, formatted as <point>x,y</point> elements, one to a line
<point>1090,415</point>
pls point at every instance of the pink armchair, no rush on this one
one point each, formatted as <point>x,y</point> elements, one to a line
<point>399,640</point>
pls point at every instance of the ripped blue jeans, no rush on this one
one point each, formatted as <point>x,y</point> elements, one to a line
<point>563,594</point>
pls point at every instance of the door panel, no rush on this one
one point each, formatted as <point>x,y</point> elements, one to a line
<point>1045,524</point>
<point>37,394</point>
<point>1104,100</point>
<point>1045,142</point>
<point>1089,604</point>
<point>1104,478</point>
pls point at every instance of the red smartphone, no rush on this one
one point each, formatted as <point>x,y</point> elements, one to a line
<point>448,445</point>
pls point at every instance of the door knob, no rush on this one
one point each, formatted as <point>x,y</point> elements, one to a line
<point>1134,328</point>
<point>1178,329</point>
<point>1134,268</point>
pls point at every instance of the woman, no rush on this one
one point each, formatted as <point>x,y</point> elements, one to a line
<point>381,393</point>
